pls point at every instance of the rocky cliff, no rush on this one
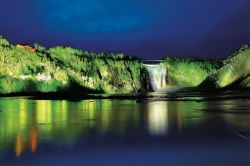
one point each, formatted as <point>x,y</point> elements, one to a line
<point>235,72</point>
<point>66,69</point>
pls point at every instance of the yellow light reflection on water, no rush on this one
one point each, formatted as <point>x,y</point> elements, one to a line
<point>19,148</point>
<point>91,112</point>
<point>64,110</point>
<point>158,118</point>
<point>22,114</point>
<point>43,111</point>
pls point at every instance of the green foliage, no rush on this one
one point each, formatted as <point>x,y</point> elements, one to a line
<point>236,70</point>
<point>54,69</point>
<point>4,42</point>
<point>189,72</point>
<point>39,48</point>
<point>238,52</point>
<point>15,85</point>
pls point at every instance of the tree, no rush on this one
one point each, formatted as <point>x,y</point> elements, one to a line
<point>39,48</point>
<point>4,42</point>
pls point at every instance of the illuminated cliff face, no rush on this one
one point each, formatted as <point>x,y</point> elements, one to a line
<point>27,70</point>
<point>157,76</point>
<point>236,69</point>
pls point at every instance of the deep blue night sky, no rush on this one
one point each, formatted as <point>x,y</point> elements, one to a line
<point>149,29</point>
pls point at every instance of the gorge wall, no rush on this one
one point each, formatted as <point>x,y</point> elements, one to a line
<point>235,72</point>
<point>26,69</point>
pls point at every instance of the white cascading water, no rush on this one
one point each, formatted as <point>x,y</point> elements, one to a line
<point>157,76</point>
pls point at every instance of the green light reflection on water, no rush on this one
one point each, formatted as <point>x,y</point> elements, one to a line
<point>24,124</point>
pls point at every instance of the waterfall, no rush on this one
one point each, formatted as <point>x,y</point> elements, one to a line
<point>157,76</point>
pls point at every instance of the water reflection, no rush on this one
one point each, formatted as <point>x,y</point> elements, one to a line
<point>235,112</point>
<point>33,139</point>
<point>158,118</point>
<point>26,124</point>
<point>19,145</point>
<point>179,119</point>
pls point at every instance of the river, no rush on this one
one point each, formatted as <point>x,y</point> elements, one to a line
<point>187,130</point>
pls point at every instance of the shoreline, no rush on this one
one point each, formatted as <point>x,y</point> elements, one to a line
<point>186,94</point>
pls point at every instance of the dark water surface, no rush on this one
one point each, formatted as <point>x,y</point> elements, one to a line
<point>155,131</point>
